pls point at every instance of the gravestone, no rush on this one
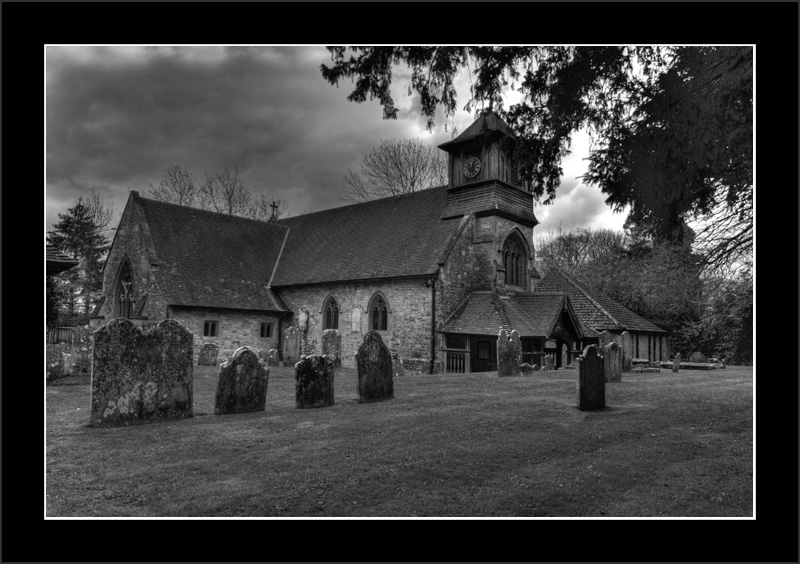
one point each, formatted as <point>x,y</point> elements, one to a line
<point>549,362</point>
<point>397,365</point>
<point>612,362</point>
<point>332,345</point>
<point>605,338</point>
<point>80,361</point>
<point>140,377</point>
<point>374,364</point>
<point>242,386</point>
<point>627,351</point>
<point>208,354</point>
<point>291,344</point>
<point>526,369</point>
<point>272,357</point>
<point>509,353</point>
<point>697,357</point>
<point>535,368</point>
<point>313,380</point>
<point>676,364</point>
<point>56,360</point>
<point>591,380</point>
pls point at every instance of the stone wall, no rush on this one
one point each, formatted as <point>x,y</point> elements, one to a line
<point>235,328</point>
<point>409,326</point>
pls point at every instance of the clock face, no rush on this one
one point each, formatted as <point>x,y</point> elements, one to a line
<point>472,166</point>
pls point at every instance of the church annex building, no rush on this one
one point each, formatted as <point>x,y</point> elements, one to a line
<point>437,273</point>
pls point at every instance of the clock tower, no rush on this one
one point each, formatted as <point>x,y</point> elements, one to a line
<point>484,180</point>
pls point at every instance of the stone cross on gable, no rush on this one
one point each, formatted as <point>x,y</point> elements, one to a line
<point>274,207</point>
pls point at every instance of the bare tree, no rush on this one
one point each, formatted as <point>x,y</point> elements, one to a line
<point>573,250</point>
<point>223,191</point>
<point>178,186</point>
<point>101,213</point>
<point>396,166</point>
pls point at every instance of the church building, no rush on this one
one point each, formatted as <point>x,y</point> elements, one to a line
<point>437,272</point>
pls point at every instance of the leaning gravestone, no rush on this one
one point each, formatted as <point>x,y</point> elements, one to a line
<point>208,354</point>
<point>591,380</point>
<point>676,364</point>
<point>141,377</point>
<point>627,351</point>
<point>612,362</point>
<point>697,357</point>
<point>332,345</point>
<point>313,379</point>
<point>509,353</point>
<point>374,364</point>
<point>242,384</point>
<point>291,343</point>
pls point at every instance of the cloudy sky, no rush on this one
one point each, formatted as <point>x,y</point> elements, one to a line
<point>117,117</point>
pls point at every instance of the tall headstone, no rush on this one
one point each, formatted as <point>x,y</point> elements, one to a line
<point>242,383</point>
<point>697,357</point>
<point>627,351</point>
<point>509,353</point>
<point>549,362</point>
<point>605,338</point>
<point>291,344</point>
<point>676,364</point>
<point>208,354</point>
<point>141,377</point>
<point>591,380</point>
<point>313,379</point>
<point>374,364</point>
<point>612,358</point>
<point>332,345</point>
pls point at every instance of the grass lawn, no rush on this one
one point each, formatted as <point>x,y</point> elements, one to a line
<point>473,445</point>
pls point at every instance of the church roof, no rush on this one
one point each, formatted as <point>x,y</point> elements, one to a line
<point>487,122</point>
<point>532,315</point>
<point>211,259</point>
<point>392,237</point>
<point>593,309</point>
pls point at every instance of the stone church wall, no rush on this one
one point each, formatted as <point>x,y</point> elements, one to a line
<point>235,328</point>
<point>409,324</point>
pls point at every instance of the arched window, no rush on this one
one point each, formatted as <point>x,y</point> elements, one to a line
<point>378,314</point>
<point>330,314</point>
<point>514,261</point>
<point>124,291</point>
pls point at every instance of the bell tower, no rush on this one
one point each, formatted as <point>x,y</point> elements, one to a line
<point>485,180</point>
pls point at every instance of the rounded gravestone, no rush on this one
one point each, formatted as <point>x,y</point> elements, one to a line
<point>697,357</point>
<point>375,370</point>
<point>242,386</point>
<point>313,377</point>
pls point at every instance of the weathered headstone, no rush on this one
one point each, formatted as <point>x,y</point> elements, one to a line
<point>509,353</point>
<point>676,364</point>
<point>591,380</point>
<point>208,354</point>
<point>272,357</point>
<point>526,369</point>
<point>56,360</point>
<point>332,345</point>
<point>374,364</point>
<point>291,344</point>
<point>549,362</point>
<point>612,362</point>
<point>397,365</point>
<point>627,351</point>
<point>242,386</point>
<point>605,338</point>
<point>535,368</point>
<point>697,357</point>
<point>141,377</point>
<point>313,379</point>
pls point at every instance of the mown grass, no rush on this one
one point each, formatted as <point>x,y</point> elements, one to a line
<point>473,445</point>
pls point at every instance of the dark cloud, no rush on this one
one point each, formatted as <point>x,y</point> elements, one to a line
<point>117,117</point>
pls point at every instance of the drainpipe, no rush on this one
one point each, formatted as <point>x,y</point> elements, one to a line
<point>433,324</point>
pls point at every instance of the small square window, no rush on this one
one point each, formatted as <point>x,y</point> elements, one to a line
<point>266,330</point>
<point>210,329</point>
